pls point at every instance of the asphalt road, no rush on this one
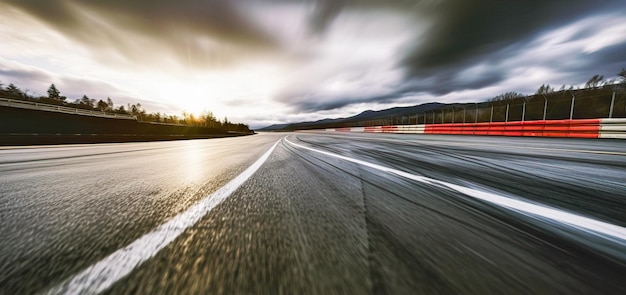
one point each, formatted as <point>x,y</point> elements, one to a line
<point>316,213</point>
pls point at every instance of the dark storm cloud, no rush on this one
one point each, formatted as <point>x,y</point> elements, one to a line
<point>325,12</point>
<point>464,31</point>
<point>611,55</point>
<point>607,62</point>
<point>139,28</point>
<point>312,102</point>
<point>468,34</point>
<point>10,74</point>
<point>441,84</point>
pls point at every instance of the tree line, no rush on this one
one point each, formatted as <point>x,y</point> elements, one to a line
<point>54,97</point>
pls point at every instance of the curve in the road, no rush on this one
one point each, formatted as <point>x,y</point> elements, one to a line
<point>601,229</point>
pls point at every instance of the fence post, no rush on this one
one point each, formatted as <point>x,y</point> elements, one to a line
<point>523,111</point>
<point>464,111</point>
<point>476,115</point>
<point>612,103</point>
<point>571,110</point>
<point>506,117</point>
<point>433,117</point>
<point>452,115</point>
<point>424,118</point>
<point>545,106</point>
<point>491,118</point>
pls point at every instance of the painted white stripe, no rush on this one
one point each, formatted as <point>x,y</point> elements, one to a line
<point>102,275</point>
<point>613,121</point>
<point>613,127</point>
<point>612,135</point>
<point>602,229</point>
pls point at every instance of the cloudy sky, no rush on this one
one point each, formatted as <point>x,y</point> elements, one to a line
<point>262,62</point>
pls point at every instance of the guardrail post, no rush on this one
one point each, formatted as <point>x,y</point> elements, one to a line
<point>491,118</point>
<point>612,104</point>
<point>523,111</point>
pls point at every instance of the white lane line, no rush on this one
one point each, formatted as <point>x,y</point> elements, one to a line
<point>605,230</point>
<point>102,275</point>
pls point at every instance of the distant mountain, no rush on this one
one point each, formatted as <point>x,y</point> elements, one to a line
<point>273,127</point>
<point>385,116</point>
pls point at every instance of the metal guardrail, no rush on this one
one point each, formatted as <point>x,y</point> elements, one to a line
<point>60,109</point>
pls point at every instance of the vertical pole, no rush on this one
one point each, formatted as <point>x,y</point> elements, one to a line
<point>452,115</point>
<point>571,110</point>
<point>612,103</point>
<point>424,118</point>
<point>442,114</point>
<point>506,117</point>
<point>491,118</point>
<point>464,109</point>
<point>523,111</point>
<point>545,108</point>
<point>476,115</point>
<point>433,117</point>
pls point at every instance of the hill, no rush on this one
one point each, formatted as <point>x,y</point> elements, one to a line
<point>386,116</point>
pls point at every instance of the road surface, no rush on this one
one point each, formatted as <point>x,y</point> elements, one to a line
<point>316,213</point>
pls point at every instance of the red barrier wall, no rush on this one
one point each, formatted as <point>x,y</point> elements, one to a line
<point>589,128</point>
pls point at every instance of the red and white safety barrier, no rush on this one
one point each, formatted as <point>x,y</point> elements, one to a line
<point>612,128</point>
<point>586,128</point>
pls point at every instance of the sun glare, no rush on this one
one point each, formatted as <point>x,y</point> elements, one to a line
<point>216,91</point>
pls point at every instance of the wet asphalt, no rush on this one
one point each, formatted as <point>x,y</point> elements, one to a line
<point>308,223</point>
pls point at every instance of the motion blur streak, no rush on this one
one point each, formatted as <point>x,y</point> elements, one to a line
<point>602,229</point>
<point>105,273</point>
